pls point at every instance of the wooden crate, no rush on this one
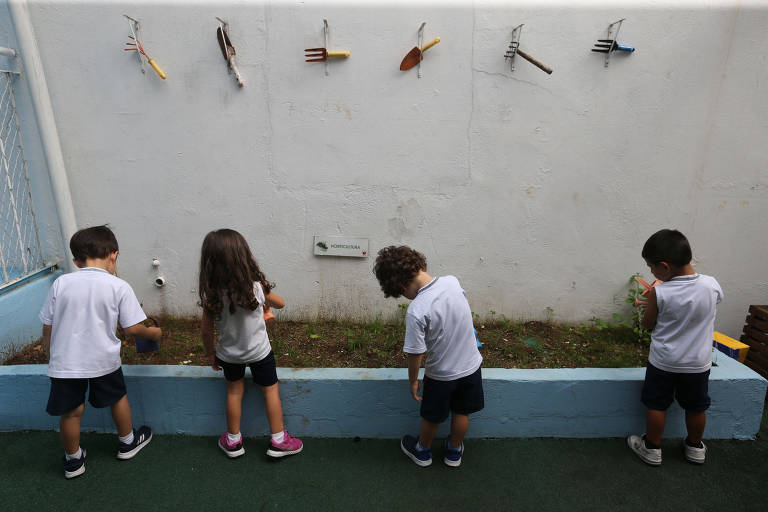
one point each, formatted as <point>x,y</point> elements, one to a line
<point>755,334</point>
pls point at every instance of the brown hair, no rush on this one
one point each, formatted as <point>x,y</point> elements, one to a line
<point>396,267</point>
<point>96,242</point>
<point>227,267</point>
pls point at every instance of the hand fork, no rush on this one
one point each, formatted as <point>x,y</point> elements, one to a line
<point>610,45</point>
<point>322,54</point>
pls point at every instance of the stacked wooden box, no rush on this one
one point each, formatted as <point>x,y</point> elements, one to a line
<point>755,335</point>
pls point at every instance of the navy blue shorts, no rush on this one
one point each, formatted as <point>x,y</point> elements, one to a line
<point>462,396</point>
<point>67,394</point>
<point>662,387</point>
<point>264,372</point>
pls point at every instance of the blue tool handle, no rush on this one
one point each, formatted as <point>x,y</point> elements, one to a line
<point>623,48</point>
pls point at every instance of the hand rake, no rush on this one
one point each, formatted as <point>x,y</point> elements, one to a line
<point>322,54</point>
<point>136,46</point>
<point>609,45</point>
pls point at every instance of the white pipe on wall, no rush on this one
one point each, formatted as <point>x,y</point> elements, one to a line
<point>44,113</point>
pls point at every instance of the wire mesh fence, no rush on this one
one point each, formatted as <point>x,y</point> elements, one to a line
<point>20,253</point>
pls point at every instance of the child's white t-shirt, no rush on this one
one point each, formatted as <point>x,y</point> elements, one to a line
<point>243,335</point>
<point>83,308</point>
<point>681,341</point>
<point>439,322</point>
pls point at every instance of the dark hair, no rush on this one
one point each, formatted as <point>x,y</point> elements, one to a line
<point>94,242</point>
<point>668,245</point>
<point>228,267</point>
<point>396,267</point>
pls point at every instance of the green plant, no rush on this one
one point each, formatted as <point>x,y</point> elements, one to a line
<point>634,295</point>
<point>549,314</point>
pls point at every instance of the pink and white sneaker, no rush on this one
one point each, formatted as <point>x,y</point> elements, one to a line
<point>232,450</point>
<point>289,446</point>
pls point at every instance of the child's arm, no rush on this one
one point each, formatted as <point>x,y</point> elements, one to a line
<point>414,363</point>
<point>206,328</point>
<point>142,331</point>
<point>47,340</point>
<point>651,311</point>
<point>275,301</point>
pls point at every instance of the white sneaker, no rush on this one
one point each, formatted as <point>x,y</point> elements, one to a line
<point>650,456</point>
<point>694,454</point>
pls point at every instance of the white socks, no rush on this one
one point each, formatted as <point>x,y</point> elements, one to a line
<point>126,439</point>
<point>279,437</point>
<point>76,455</point>
<point>234,438</point>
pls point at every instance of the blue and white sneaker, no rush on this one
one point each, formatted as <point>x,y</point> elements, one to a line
<point>141,438</point>
<point>452,456</point>
<point>74,467</point>
<point>422,458</point>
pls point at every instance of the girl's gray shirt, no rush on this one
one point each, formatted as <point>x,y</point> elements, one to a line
<point>243,334</point>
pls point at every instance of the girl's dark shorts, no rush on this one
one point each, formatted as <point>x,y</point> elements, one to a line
<point>662,387</point>
<point>264,372</point>
<point>67,394</point>
<point>462,396</point>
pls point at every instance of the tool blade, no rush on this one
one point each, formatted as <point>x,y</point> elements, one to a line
<point>601,51</point>
<point>411,59</point>
<point>220,36</point>
<point>321,59</point>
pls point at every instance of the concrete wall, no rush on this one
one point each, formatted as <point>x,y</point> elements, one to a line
<point>536,191</point>
<point>349,402</point>
<point>19,309</point>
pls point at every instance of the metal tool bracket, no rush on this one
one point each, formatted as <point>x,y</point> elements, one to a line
<point>420,43</point>
<point>514,45</point>
<point>325,42</point>
<point>613,36</point>
<point>134,26</point>
<point>14,55</point>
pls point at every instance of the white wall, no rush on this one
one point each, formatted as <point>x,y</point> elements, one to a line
<point>536,191</point>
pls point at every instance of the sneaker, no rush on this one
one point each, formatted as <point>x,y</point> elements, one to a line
<point>74,467</point>
<point>289,446</point>
<point>694,454</point>
<point>422,458</point>
<point>231,449</point>
<point>141,438</point>
<point>650,456</point>
<point>452,456</point>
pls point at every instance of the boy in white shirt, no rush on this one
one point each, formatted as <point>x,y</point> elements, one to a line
<point>79,318</point>
<point>438,327</point>
<point>681,314</point>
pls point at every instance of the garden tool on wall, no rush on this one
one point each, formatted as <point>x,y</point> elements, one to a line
<point>609,45</point>
<point>137,47</point>
<point>322,54</point>
<point>416,55</point>
<point>222,34</point>
<point>514,49</point>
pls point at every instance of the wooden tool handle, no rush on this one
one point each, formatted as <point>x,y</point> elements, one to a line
<point>157,68</point>
<point>337,55</point>
<point>430,44</point>
<point>533,61</point>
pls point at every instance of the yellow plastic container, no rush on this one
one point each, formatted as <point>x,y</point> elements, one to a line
<point>729,346</point>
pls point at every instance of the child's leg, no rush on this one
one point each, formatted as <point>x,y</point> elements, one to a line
<point>427,433</point>
<point>70,429</point>
<point>274,408</point>
<point>235,390</point>
<point>459,427</point>
<point>121,414</point>
<point>695,421</point>
<point>654,426</point>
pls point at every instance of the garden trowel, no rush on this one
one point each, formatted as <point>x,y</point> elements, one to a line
<point>416,54</point>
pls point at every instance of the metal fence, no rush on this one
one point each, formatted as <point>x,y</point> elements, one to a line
<point>20,253</point>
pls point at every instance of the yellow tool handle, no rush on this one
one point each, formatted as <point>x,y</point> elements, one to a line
<point>430,44</point>
<point>157,68</point>
<point>337,55</point>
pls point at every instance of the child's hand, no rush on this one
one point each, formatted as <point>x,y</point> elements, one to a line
<point>415,390</point>
<point>213,363</point>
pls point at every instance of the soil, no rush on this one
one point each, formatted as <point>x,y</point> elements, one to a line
<point>325,344</point>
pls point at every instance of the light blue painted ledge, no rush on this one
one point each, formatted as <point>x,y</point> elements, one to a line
<point>376,403</point>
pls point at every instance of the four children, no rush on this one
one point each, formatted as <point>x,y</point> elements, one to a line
<point>83,308</point>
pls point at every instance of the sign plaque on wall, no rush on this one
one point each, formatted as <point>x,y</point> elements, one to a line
<point>340,246</point>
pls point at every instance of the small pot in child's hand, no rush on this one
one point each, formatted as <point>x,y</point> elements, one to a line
<point>145,344</point>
